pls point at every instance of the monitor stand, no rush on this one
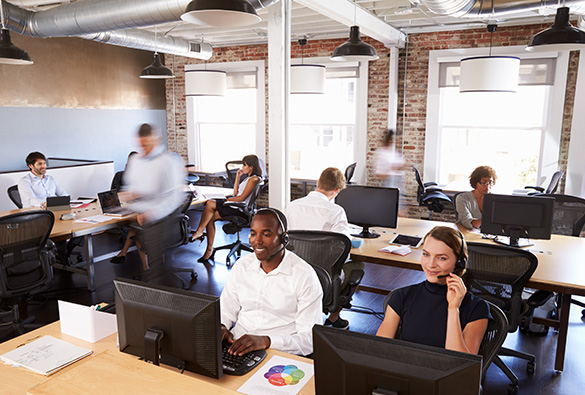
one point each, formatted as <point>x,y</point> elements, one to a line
<point>513,241</point>
<point>366,234</point>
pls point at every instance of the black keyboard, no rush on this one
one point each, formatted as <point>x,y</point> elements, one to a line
<point>238,365</point>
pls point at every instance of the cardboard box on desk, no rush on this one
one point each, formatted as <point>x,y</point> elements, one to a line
<point>86,323</point>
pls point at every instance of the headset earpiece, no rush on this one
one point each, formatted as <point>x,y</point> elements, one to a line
<point>284,239</point>
<point>461,262</point>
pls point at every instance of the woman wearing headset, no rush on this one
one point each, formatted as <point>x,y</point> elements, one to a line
<point>439,311</point>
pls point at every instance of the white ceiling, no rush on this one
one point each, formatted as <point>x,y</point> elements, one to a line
<point>408,16</point>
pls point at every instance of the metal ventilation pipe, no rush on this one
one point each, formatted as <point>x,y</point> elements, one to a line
<point>102,21</point>
<point>488,9</point>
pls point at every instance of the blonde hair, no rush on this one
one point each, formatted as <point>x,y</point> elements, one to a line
<point>331,179</point>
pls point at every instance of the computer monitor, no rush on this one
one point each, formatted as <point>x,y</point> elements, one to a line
<point>173,326</point>
<point>369,206</point>
<point>351,363</point>
<point>517,217</point>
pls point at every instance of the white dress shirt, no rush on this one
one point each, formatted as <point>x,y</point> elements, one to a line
<point>158,179</point>
<point>284,304</point>
<point>34,190</point>
<point>316,212</point>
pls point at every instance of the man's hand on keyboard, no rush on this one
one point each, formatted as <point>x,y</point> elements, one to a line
<point>248,343</point>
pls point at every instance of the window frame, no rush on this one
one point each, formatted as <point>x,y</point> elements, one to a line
<point>548,159</point>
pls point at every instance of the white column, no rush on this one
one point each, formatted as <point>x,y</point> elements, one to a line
<point>279,37</point>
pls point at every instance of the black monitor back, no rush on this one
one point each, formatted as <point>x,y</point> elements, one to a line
<point>350,363</point>
<point>189,321</point>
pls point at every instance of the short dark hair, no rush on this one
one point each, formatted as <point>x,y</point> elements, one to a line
<point>331,179</point>
<point>280,217</point>
<point>145,130</point>
<point>32,158</point>
<point>254,162</point>
<point>388,137</point>
<point>482,172</point>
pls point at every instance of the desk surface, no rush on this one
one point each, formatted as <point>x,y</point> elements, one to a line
<point>109,371</point>
<point>560,267</point>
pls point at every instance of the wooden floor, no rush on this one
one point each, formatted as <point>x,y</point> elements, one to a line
<point>211,278</point>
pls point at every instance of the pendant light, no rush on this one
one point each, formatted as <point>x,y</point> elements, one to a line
<point>10,53</point>
<point>489,73</point>
<point>156,71</point>
<point>561,36</point>
<point>224,13</point>
<point>307,78</point>
<point>354,48</point>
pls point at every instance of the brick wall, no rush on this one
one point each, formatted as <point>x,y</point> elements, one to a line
<point>415,57</point>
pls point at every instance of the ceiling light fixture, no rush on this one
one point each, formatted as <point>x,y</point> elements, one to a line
<point>307,78</point>
<point>157,70</point>
<point>561,36</point>
<point>354,49</point>
<point>10,53</point>
<point>225,13</point>
<point>489,73</point>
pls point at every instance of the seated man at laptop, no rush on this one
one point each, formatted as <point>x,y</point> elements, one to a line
<point>272,298</point>
<point>35,187</point>
<point>317,211</point>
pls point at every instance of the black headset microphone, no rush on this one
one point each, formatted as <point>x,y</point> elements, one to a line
<point>284,240</point>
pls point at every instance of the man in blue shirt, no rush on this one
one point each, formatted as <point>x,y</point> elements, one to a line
<point>36,186</point>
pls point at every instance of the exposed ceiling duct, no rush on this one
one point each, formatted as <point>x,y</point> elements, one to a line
<point>496,8</point>
<point>104,20</point>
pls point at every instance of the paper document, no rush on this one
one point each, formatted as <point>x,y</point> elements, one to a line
<point>45,355</point>
<point>398,250</point>
<point>278,376</point>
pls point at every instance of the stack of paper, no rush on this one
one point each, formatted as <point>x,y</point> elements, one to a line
<point>398,250</point>
<point>45,355</point>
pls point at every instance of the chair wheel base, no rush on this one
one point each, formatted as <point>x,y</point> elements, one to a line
<point>530,367</point>
<point>512,389</point>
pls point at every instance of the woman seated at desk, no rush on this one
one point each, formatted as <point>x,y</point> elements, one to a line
<point>469,205</point>
<point>215,209</point>
<point>439,311</point>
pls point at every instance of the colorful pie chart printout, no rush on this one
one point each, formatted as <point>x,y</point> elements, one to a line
<point>281,375</point>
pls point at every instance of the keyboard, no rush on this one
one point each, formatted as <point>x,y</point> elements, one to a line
<point>238,365</point>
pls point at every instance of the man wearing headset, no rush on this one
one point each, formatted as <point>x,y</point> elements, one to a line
<point>272,298</point>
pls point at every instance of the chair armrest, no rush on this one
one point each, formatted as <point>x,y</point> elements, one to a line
<point>235,204</point>
<point>539,298</point>
<point>536,187</point>
<point>355,277</point>
<point>429,184</point>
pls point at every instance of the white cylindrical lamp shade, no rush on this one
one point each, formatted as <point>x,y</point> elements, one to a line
<point>205,83</point>
<point>307,78</point>
<point>489,74</point>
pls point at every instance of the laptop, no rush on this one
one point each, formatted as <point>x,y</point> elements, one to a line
<point>110,204</point>
<point>58,203</point>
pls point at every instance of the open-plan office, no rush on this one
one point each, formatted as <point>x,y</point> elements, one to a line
<point>82,99</point>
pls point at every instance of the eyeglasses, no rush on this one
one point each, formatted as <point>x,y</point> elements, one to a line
<point>487,183</point>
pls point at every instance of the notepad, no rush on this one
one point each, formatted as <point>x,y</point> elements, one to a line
<point>398,250</point>
<point>45,355</point>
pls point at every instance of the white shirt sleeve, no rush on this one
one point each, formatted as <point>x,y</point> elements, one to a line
<point>27,195</point>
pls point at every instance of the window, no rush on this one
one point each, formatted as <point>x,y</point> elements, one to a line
<point>227,128</point>
<point>323,127</point>
<point>517,134</point>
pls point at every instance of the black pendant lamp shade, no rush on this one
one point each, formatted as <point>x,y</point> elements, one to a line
<point>228,13</point>
<point>354,48</point>
<point>10,53</point>
<point>560,36</point>
<point>156,70</point>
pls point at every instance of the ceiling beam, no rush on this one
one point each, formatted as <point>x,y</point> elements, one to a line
<point>343,11</point>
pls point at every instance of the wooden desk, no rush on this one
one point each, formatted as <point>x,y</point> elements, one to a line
<point>109,371</point>
<point>560,266</point>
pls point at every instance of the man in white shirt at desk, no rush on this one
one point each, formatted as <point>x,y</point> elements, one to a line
<point>317,211</point>
<point>272,298</point>
<point>36,186</point>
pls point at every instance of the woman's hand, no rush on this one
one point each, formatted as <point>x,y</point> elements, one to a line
<point>240,172</point>
<point>456,290</point>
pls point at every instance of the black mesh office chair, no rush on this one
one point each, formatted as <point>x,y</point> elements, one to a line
<point>158,237</point>
<point>231,168</point>
<point>429,195</point>
<point>498,274</point>
<point>327,252</point>
<point>492,341</point>
<point>552,185</point>
<point>236,223</point>
<point>455,204</point>
<point>24,266</point>
<point>14,195</point>
<point>349,170</point>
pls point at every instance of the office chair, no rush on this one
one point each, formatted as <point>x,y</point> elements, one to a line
<point>498,274</point>
<point>14,195</point>
<point>552,185</point>
<point>349,170</point>
<point>492,341</point>
<point>165,234</point>
<point>236,223</point>
<point>24,265</point>
<point>117,181</point>
<point>191,178</point>
<point>327,252</point>
<point>455,204</point>
<point>429,195</point>
<point>231,168</point>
